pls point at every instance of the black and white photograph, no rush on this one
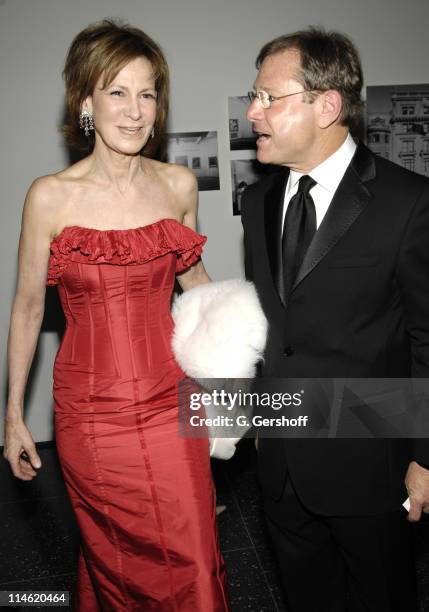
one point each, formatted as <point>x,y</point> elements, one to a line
<point>398,124</point>
<point>241,135</point>
<point>244,172</point>
<point>199,152</point>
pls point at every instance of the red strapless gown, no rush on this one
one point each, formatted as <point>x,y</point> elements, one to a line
<point>142,495</point>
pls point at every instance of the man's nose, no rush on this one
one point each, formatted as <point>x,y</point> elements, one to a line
<point>254,110</point>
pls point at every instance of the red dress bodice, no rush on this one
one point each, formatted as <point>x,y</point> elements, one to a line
<point>115,288</point>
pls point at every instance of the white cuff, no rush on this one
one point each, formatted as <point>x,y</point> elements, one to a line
<point>222,448</point>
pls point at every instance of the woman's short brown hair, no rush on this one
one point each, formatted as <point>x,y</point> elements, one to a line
<point>329,60</point>
<point>103,49</point>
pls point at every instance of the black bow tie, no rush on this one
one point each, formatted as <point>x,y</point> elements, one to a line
<point>298,231</point>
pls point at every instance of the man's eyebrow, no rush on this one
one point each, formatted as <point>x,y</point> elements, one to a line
<point>266,88</point>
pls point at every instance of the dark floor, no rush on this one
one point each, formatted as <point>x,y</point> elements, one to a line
<point>39,540</point>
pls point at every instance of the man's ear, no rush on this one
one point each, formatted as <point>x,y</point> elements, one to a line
<point>330,107</point>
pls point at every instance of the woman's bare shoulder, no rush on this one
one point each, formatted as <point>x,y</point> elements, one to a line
<point>45,198</point>
<point>43,193</point>
<point>178,177</point>
<point>38,216</point>
<point>48,195</point>
<point>50,186</point>
<point>182,185</point>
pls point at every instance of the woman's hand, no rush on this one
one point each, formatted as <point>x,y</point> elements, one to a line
<point>18,440</point>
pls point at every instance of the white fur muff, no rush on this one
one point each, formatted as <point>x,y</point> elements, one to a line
<point>220,332</point>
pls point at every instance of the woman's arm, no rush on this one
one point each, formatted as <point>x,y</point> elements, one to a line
<point>25,322</point>
<point>187,195</point>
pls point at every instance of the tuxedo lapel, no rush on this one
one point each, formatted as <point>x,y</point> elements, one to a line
<point>273,216</point>
<point>347,204</point>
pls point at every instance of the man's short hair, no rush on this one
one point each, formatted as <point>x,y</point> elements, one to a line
<point>329,60</point>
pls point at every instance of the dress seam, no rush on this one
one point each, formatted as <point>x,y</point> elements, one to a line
<point>219,557</point>
<point>214,532</point>
<point>91,321</point>
<point>108,320</point>
<point>166,336</point>
<point>148,312</point>
<point>73,330</point>
<point>156,507</point>
<point>106,510</point>
<point>130,344</point>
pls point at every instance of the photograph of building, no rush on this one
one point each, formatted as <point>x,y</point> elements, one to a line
<point>241,135</point>
<point>199,152</point>
<point>398,124</point>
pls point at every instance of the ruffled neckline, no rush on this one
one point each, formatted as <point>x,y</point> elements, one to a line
<point>123,246</point>
<point>81,228</point>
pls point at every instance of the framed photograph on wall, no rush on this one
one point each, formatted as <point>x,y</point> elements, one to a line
<point>241,134</point>
<point>244,172</point>
<point>398,124</point>
<point>199,152</point>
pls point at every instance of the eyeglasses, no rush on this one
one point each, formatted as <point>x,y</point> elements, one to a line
<point>266,99</point>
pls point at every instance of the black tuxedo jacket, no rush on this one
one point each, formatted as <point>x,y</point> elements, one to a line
<point>359,308</point>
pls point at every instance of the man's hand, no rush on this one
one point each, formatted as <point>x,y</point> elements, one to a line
<point>417,483</point>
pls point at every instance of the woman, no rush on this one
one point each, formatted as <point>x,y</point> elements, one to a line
<point>112,231</point>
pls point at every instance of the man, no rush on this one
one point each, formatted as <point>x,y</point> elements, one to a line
<point>337,244</point>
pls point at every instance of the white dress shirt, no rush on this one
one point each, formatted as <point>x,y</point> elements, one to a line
<point>327,175</point>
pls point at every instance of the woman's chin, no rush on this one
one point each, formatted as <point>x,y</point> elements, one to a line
<point>127,148</point>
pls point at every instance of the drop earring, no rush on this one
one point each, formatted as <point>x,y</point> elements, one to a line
<point>86,121</point>
<point>152,134</point>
